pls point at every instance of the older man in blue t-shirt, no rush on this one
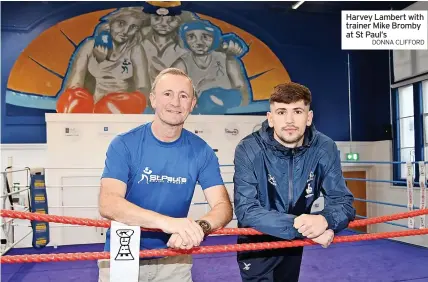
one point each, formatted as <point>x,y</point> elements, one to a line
<point>150,176</point>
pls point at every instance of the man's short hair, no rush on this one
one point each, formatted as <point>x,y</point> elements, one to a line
<point>290,92</point>
<point>173,71</point>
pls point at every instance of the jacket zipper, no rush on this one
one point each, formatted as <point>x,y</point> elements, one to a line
<point>290,182</point>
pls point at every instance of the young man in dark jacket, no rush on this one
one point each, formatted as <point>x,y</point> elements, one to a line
<point>283,172</point>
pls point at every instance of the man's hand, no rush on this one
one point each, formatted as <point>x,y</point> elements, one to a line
<point>186,232</point>
<point>325,239</point>
<point>176,242</point>
<point>310,226</point>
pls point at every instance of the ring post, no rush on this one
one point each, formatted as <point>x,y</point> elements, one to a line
<point>124,252</point>
<point>411,220</point>
<point>39,204</point>
<point>423,198</point>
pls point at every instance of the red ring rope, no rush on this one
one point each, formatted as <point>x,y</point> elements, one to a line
<point>222,231</point>
<point>201,250</point>
<point>207,249</point>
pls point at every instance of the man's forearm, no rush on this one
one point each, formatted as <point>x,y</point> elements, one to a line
<point>219,216</point>
<point>121,210</point>
<point>338,216</point>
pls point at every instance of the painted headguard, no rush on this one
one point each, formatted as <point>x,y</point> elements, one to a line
<point>201,25</point>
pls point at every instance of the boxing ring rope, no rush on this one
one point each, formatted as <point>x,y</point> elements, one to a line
<point>204,250</point>
<point>201,250</point>
<point>223,231</point>
<point>73,221</point>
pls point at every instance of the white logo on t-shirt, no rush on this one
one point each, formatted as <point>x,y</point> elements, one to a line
<point>144,175</point>
<point>149,177</point>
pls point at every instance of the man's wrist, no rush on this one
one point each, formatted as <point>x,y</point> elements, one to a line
<point>161,222</point>
<point>205,225</point>
<point>325,222</point>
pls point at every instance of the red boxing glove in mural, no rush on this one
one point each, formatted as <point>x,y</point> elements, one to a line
<point>122,103</point>
<point>75,100</point>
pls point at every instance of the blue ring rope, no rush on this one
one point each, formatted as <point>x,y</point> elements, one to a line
<point>364,162</point>
<point>360,179</point>
<point>377,180</point>
<point>374,162</point>
<point>385,203</point>
<point>357,199</point>
<point>388,222</point>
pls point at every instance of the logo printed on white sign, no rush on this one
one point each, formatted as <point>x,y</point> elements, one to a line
<point>202,131</point>
<point>384,30</point>
<point>124,252</point>
<point>71,131</point>
<point>232,131</point>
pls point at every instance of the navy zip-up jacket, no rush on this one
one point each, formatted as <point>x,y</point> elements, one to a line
<point>274,184</point>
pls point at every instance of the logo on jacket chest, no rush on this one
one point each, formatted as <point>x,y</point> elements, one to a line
<point>271,180</point>
<point>309,190</point>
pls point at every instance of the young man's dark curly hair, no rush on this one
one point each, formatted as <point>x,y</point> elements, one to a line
<point>291,92</point>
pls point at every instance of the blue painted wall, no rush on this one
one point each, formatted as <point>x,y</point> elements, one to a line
<point>308,45</point>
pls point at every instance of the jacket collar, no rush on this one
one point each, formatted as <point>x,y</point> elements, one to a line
<point>267,132</point>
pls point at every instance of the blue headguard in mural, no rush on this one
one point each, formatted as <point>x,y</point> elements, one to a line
<point>201,25</point>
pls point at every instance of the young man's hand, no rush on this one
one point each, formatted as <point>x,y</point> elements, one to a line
<point>325,239</point>
<point>310,225</point>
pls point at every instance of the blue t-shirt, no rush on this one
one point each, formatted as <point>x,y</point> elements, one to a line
<point>160,176</point>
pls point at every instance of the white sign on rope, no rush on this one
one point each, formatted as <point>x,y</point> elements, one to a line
<point>411,222</point>
<point>422,184</point>
<point>124,252</point>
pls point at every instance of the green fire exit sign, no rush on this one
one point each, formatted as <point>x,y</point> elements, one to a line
<point>352,156</point>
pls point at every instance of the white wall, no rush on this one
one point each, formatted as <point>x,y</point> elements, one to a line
<point>79,186</point>
<point>404,67</point>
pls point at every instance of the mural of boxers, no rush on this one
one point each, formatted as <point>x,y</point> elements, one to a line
<point>106,61</point>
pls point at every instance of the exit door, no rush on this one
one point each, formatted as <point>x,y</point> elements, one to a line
<point>358,189</point>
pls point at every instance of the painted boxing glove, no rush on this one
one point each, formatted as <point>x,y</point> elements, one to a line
<point>217,100</point>
<point>75,100</point>
<point>122,103</point>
